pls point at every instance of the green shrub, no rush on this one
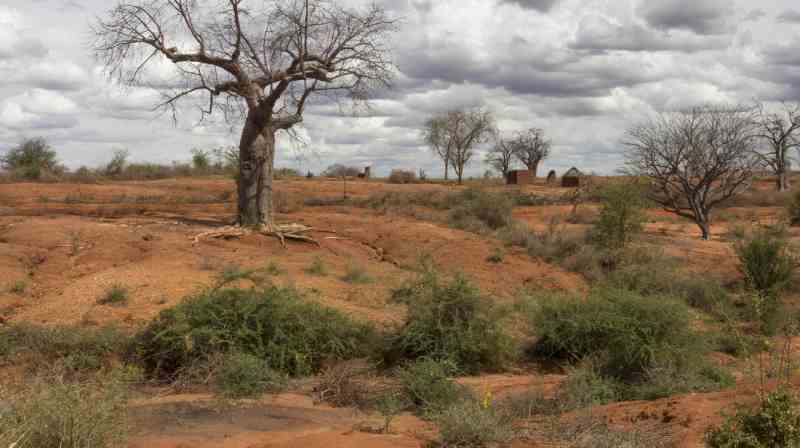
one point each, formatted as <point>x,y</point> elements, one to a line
<point>621,216</point>
<point>448,321</point>
<point>19,287</point>
<point>554,244</point>
<point>497,256</point>
<point>625,334</point>
<point>470,423</point>
<point>774,424</point>
<point>356,273</point>
<point>246,376</point>
<point>584,387</point>
<point>273,268</point>
<point>477,209</point>
<point>274,324</point>
<point>389,405</point>
<point>429,386</point>
<point>32,159</point>
<point>58,414</point>
<point>115,295</point>
<point>766,262</point>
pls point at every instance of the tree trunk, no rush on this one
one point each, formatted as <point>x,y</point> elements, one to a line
<point>446,169</point>
<point>783,181</point>
<point>705,229</point>
<point>256,157</point>
<point>534,168</point>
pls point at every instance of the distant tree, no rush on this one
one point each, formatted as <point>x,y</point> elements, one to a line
<point>501,156</point>
<point>457,133</point>
<point>695,159</point>
<point>119,160</point>
<point>31,159</point>
<point>779,131</point>
<point>267,60</point>
<point>531,147</point>
<point>437,139</point>
<point>339,170</point>
<point>201,159</point>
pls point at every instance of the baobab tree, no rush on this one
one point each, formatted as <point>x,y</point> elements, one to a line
<point>266,59</point>
<point>457,133</point>
<point>531,147</point>
<point>779,131</point>
<point>694,160</point>
<point>501,156</point>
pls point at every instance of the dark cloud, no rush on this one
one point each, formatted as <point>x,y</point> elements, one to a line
<point>789,16</point>
<point>597,33</point>
<point>538,5</point>
<point>699,16</point>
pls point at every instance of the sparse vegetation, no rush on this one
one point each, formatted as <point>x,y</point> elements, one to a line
<point>54,413</point>
<point>470,423</point>
<point>774,423</point>
<point>19,287</point>
<point>317,267</point>
<point>32,159</point>
<point>402,177</point>
<point>356,274</point>
<point>116,294</point>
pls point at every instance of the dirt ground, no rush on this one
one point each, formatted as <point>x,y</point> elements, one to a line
<point>68,243</point>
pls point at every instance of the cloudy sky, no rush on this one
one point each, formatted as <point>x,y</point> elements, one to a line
<point>583,70</point>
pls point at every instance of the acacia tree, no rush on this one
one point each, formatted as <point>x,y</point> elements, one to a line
<point>265,59</point>
<point>437,139</point>
<point>531,147</point>
<point>695,159</point>
<point>457,133</point>
<point>501,156</point>
<point>779,130</point>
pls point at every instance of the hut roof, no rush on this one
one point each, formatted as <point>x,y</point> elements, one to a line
<point>573,172</point>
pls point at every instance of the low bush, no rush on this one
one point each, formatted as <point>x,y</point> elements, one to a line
<point>274,324</point>
<point>766,261</point>
<point>627,337</point>
<point>429,386</point>
<point>59,414</point>
<point>243,375</point>
<point>774,424</point>
<point>74,348</point>
<point>621,215</point>
<point>555,243</point>
<point>476,209</point>
<point>448,321</point>
<point>356,273</point>
<point>470,423</point>
<point>115,295</point>
<point>343,385</point>
<point>402,177</point>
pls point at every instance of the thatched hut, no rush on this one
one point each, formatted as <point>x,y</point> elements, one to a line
<point>572,178</point>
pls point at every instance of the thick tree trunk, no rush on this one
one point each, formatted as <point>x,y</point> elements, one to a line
<point>534,169</point>
<point>256,157</point>
<point>446,169</point>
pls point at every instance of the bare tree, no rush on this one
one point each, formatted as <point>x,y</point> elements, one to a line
<point>266,59</point>
<point>779,130</point>
<point>457,133</point>
<point>695,159</point>
<point>501,156</point>
<point>437,139</point>
<point>531,147</point>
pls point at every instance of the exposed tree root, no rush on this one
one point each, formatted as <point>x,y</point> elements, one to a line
<point>291,231</point>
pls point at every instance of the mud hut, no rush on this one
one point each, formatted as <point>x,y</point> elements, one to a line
<point>572,178</point>
<point>551,177</point>
<point>519,177</point>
